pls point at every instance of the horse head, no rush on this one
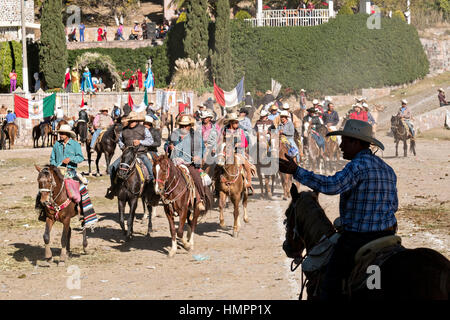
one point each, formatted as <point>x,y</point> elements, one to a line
<point>48,180</point>
<point>127,161</point>
<point>161,172</point>
<point>293,244</point>
<point>116,130</point>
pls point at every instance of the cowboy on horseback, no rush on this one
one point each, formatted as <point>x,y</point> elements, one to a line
<point>368,199</point>
<point>133,134</point>
<point>10,117</point>
<point>156,135</point>
<point>101,122</point>
<point>66,153</point>
<point>405,115</point>
<point>286,129</point>
<point>315,120</point>
<point>210,133</point>
<point>186,147</point>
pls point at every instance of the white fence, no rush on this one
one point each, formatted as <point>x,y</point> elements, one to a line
<point>291,17</point>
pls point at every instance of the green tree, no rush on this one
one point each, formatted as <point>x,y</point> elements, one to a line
<point>53,50</point>
<point>221,66</point>
<point>197,35</point>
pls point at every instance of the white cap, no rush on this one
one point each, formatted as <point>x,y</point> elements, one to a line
<point>315,101</point>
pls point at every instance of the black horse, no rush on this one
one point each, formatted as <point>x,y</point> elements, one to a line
<point>131,188</point>
<point>107,145</point>
<point>407,274</point>
<point>44,132</point>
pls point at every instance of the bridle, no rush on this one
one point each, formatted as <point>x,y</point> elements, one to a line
<point>165,194</point>
<point>52,205</point>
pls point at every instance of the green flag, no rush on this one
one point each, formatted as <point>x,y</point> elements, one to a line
<point>146,98</point>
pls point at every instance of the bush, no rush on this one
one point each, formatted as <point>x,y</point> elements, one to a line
<point>399,14</point>
<point>338,57</point>
<point>242,15</point>
<point>345,10</point>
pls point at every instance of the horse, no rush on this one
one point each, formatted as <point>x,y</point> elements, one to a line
<point>413,274</point>
<point>42,131</point>
<point>286,179</point>
<point>131,189</point>
<point>105,144</point>
<point>9,132</point>
<point>230,183</point>
<point>81,129</point>
<point>331,154</point>
<point>178,196</point>
<point>58,207</point>
<point>263,161</point>
<point>401,133</point>
<point>167,121</point>
<point>313,152</point>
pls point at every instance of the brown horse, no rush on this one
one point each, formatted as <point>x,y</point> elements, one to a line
<point>167,120</point>
<point>401,133</point>
<point>409,274</point>
<point>179,196</point>
<point>58,207</point>
<point>286,179</point>
<point>10,132</point>
<point>332,152</point>
<point>230,182</point>
<point>263,165</point>
<point>313,152</point>
<point>42,131</point>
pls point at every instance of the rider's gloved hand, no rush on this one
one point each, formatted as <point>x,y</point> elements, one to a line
<point>287,166</point>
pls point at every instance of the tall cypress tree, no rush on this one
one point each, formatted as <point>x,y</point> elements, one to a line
<point>196,40</point>
<point>221,67</point>
<point>53,49</point>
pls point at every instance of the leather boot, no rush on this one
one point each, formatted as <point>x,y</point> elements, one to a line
<point>111,192</point>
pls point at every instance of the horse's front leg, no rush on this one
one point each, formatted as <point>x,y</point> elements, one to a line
<point>222,201</point>
<point>122,204</point>
<point>133,204</point>
<point>244,204</point>
<point>237,223</point>
<point>396,147</point>
<point>150,224</point>
<point>97,160</point>
<point>48,251</point>
<point>65,241</point>
<point>173,233</point>
<point>405,148</point>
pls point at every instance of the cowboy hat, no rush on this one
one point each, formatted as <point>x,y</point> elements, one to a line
<point>357,105</point>
<point>65,128</point>
<point>328,98</point>
<point>148,119</point>
<point>284,113</point>
<point>104,109</point>
<point>268,92</point>
<point>358,129</point>
<point>320,104</point>
<point>404,101</point>
<point>231,117</point>
<point>134,116</point>
<point>206,114</point>
<point>264,113</point>
<point>365,106</point>
<point>273,107</point>
<point>185,120</point>
<point>248,93</point>
<point>302,90</point>
<point>286,106</point>
<point>116,104</point>
<point>315,101</point>
<point>440,89</point>
<point>243,110</point>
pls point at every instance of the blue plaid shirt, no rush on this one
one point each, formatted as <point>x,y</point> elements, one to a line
<point>368,192</point>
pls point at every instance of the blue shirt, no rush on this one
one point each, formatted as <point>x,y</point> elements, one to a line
<point>368,189</point>
<point>10,117</point>
<point>71,150</point>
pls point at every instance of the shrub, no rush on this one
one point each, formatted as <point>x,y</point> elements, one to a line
<point>345,10</point>
<point>190,74</point>
<point>399,14</point>
<point>242,15</point>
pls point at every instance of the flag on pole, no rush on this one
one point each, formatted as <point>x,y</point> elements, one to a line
<point>82,99</point>
<point>130,101</point>
<point>32,109</point>
<point>276,87</point>
<point>144,104</point>
<point>229,98</point>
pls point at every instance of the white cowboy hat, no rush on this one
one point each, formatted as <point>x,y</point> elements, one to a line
<point>86,69</point>
<point>148,119</point>
<point>365,105</point>
<point>284,113</point>
<point>206,114</point>
<point>134,116</point>
<point>302,90</point>
<point>315,101</point>
<point>320,104</point>
<point>404,101</point>
<point>286,106</point>
<point>440,89</point>
<point>116,104</point>
<point>264,113</point>
<point>248,93</point>
<point>185,120</point>
<point>358,129</point>
<point>231,117</point>
<point>65,128</point>
<point>268,92</point>
<point>328,98</point>
<point>358,99</point>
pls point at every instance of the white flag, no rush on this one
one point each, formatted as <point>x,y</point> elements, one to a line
<point>276,87</point>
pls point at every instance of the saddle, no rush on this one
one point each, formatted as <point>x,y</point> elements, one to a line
<point>142,171</point>
<point>190,182</point>
<point>100,137</point>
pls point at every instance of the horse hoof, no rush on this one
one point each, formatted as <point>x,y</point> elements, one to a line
<point>246,220</point>
<point>128,238</point>
<point>235,234</point>
<point>284,198</point>
<point>171,254</point>
<point>187,246</point>
<point>61,263</point>
<point>222,224</point>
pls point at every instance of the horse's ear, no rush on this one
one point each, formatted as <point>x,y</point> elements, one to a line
<point>37,168</point>
<point>294,192</point>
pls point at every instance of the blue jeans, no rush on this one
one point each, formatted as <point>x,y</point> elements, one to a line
<point>94,137</point>
<point>81,36</point>
<point>319,140</point>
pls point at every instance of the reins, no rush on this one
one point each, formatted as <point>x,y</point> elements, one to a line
<point>53,205</point>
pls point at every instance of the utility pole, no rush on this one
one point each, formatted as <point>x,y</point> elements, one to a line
<point>24,49</point>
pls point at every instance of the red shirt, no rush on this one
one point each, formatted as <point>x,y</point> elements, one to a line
<point>359,116</point>
<point>181,107</point>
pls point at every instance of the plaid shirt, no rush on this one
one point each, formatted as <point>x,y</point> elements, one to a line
<point>368,192</point>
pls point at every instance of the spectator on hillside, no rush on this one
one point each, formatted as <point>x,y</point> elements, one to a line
<point>303,99</point>
<point>82,27</point>
<point>99,34</point>
<point>120,32</point>
<point>104,34</point>
<point>135,32</point>
<point>441,97</point>
<point>12,81</point>
<point>248,101</point>
<point>144,29</point>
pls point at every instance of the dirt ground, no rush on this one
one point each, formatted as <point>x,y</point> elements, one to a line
<point>252,266</point>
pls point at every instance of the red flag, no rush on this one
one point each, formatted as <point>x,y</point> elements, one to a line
<point>219,95</point>
<point>130,101</point>
<point>82,99</point>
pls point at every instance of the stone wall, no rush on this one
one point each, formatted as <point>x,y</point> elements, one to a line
<point>129,44</point>
<point>432,119</point>
<point>10,11</point>
<point>438,53</point>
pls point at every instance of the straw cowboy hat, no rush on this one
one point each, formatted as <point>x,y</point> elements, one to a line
<point>264,113</point>
<point>404,101</point>
<point>231,117</point>
<point>134,116</point>
<point>248,93</point>
<point>366,106</point>
<point>104,109</point>
<point>440,89</point>
<point>273,107</point>
<point>185,120</point>
<point>65,128</point>
<point>286,106</point>
<point>357,105</point>
<point>268,92</point>
<point>148,119</point>
<point>206,114</point>
<point>284,113</point>
<point>358,129</point>
<point>302,90</point>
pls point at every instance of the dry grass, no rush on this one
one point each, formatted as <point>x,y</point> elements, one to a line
<point>434,217</point>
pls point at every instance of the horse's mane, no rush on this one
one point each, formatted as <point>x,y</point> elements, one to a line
<point>56,171</point>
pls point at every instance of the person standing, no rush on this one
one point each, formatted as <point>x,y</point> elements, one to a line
<point>140,79</point>
<point>99,34</point>
<point>12,81</point>
<point>363,220</point>
<point>82,27</point>
<point>86,84</point>
<point>441,97</point>
<point>67,80</point>
<point>75,76</point>
<point>120,32</point>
